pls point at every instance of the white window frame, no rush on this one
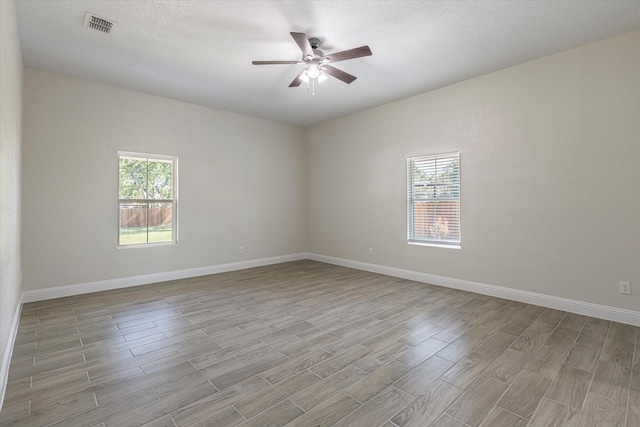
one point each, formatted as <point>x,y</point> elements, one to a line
<point>173,201</point>
<point>432,163</point>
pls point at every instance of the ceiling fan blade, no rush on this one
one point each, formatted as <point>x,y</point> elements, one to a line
<point>275,62</point>
<point>303,43</point>
<point>338,74</point>
<point>298,81</point>
<point>357,52</point>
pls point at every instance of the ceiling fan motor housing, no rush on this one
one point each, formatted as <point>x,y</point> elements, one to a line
<point>314,42</point>
<point>317,53</point>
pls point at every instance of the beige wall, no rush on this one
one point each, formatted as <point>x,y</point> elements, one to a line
<point>241,182</point>
<point>10,140</point>
<point>550,176</point>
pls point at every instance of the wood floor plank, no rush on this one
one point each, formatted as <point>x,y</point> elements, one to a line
<point>611,380</point>
<point>53,364</point>
<point>328,413</point>
<point>508,365</point>
<point>114,408</point>
<point>475,403</point>
<point>573,321</point>
<point>214,403</point>
<point>61,410</point>
<point>635,374</point>
<point>227,417</point>
<point>618,351</point>
<point>516,325</point>
<point>594,333</point>
<point>53,387</point>
<point>524,394</point>
<point>275,336</point>
<point>547,320</point>
<point>165,421</point>
<point>295,366</point>
<point>379,380</point>
<point>20,390</point>
<point>380,357</point>
<point>621,332</point>
<point>467,370</point>
<point>325,389</point>
<point>495,344</point>
<point>600,411</point>
<point>165,387</point>
<point>377,410</point>
<point>348,340</point>
<point>265,399</point>
<point>161,407</point>
<point>427,330</point>
<point>341,360</point>
<point>14,412</point>
<point>428,405</point>
<point>242,352</point>
<point>570,387</point>
<point>422,376</point>
<point>547,361</point>
<point>461,347</point>
<point>530,311</point>
<point>446,421</point>
<point>501,418</point>
<point>633,412</point>
<point>414,356</point>
<point>244,372</point>
<point>279,415</point>
<point>530,341</point>
<point>583,357</point>
<point>562,338</point>
<point>554,414</point>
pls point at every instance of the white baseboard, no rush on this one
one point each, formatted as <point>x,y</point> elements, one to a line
<point>125,282</point>
<point>6,357</point>
<point>574,306</point>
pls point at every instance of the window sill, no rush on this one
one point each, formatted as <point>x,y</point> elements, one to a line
<point>146,245</point>
<point>434,245</point>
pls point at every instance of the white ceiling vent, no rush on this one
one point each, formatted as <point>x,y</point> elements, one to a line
<point>97,23</point>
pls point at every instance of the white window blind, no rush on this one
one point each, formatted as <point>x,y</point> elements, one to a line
<point>433,199</point>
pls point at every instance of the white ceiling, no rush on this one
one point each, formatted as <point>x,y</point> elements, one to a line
<point>201,51</point>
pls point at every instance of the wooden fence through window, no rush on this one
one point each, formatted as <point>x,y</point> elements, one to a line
<point>137,217</point>
<point>436,220</point>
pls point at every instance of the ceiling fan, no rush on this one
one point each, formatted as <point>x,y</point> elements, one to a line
<point>317,63</point>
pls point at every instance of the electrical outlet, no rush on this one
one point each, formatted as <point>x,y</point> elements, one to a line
<point>240,249</point>
<point>625,288</point>
<point>370,251</point>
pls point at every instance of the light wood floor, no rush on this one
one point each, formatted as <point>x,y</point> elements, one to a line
<point>306,344</point>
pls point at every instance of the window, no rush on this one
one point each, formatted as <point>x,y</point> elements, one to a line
<point>147,199</point>
<point>433,200</point>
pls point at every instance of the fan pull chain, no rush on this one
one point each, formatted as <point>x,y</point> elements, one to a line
<point>311,85</point>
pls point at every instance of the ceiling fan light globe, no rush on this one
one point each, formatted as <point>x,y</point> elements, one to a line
<point>313,71</point>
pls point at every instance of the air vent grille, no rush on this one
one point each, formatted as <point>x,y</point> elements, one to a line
<point>97,23</point>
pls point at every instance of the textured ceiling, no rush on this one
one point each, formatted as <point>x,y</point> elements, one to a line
<point>201,51</point>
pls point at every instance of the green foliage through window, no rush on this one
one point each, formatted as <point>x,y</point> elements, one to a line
<point>146,178</point>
